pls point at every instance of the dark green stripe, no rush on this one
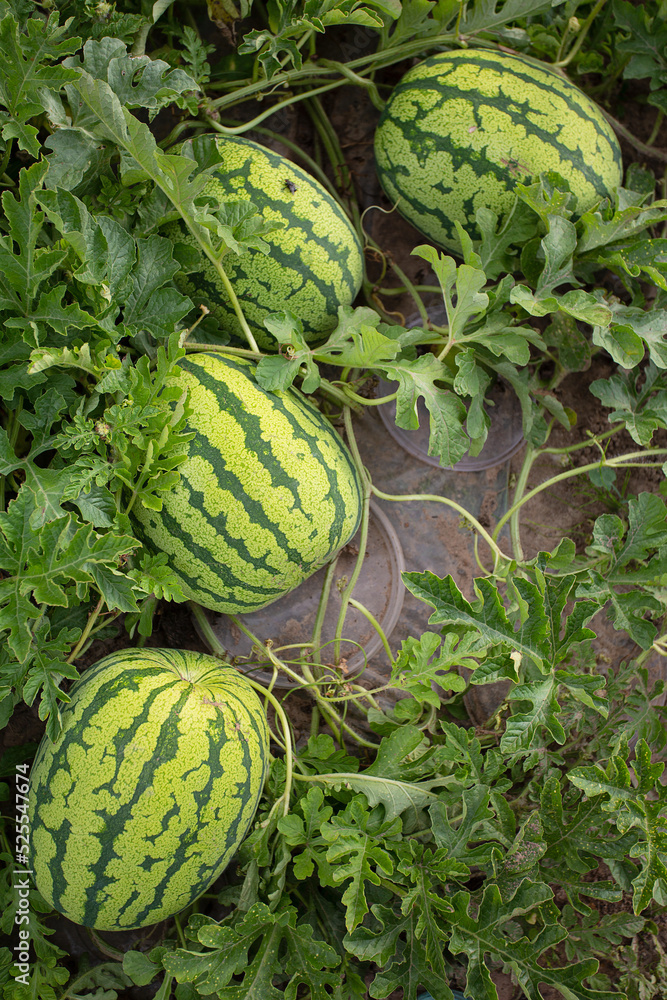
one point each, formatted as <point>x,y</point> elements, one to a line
<point>575,98</point>
<point>312,442</point>
<point>76,736</point>
<point>567,152</point>
<point>227,580</point>
<point>477,99</point>
<point>200,882</point>
<point>240,269</point>
<point>166,749</point>
<point>250,264</point>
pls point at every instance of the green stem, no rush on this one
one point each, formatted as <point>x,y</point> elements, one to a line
<point>179,931</point>
<point>247,126</point>
<point>315,722</point>
<point>207,633</point>
<point>401,289</point>
<point>515,528</point>
<point>103,946</point>
<point>421,308</point>
<point>353,77</point>
<point>642,147</point>
<point>346,594</point>
<point>140,39</point>
<point>478,558</point>
<point>311,73</point>
<point>6,156</point>
<point>498,553</point>
<point>620,462</point>
<point>656,127</point>
<point>287,734</point>
<point>192,346</point>
<point>178,130</point>
<point>581,444</point>
<point>370,402</point>
<point>231,293</point>
<point>333,392</point>
<point>365,479</point>
<point>376,625</point>
<point>92,618</point>
<point>316,636</point>
<point>581,37</point>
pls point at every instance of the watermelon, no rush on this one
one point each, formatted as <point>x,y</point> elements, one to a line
<point>463,128</point>
<point>268,494</point>
<point>145,796</point>
<point>315,263</point>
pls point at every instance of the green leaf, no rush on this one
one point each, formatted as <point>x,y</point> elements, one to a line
<point>495,247</point>
<point>462,283</point>
<point>577,303</point>
<point>486,932</point>
<point>604,226</point>
<point>422,662</point>
<point>642,259</point>
<point>447,439</point>
<point>358,853</point>
<point>396,948</point>
<point>137,81</point>
<point>284,948</point>
<point>397,796</point>
<point>578,835</point>
<point>534,632</point>
<point>637,399</point>
<point>148,305</point>
<point>629,560</point>
<point>28,69</point>
<point>305,831</point>
<point>356,343</point>
<point>645,42</point>
<point>635,810</point>
<point>24,265</point>
<point>489,15</point>
<point>140,969</point>
<point>55,565</point>
<point>476,824</point>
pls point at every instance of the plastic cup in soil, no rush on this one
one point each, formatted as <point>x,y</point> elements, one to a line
<point>290,620</point>
<point>504,439</point>
<point>505,435</point>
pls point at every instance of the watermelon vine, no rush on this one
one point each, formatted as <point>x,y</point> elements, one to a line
<point>184,204</point>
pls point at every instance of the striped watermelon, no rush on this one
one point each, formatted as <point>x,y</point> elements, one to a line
<point>148,791</point>
<point>462,128</point>
<point>315,263</point>
<point>268,493</point>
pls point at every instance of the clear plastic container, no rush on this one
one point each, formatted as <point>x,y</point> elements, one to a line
<point>505,433</point>
<point>289,621</point>
<point>504,439</point>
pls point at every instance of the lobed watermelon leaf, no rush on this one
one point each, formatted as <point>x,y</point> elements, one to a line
<point>634,810</point>
<point>28,71</point>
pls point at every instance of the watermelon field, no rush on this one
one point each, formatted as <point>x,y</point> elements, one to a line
<point>333,510</point>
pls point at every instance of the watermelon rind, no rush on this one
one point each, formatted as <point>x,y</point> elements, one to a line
<point>463,128</point>
<point>314,264</point>
<point>268,494</point>
<point>152,784</point>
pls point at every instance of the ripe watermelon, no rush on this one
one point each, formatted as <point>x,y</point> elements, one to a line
<point>268,494</point>
<point>315,263</point>
<point>462,128</point>
<point>148,791</point>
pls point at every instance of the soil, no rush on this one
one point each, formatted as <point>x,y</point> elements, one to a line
<point>432,536</point>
